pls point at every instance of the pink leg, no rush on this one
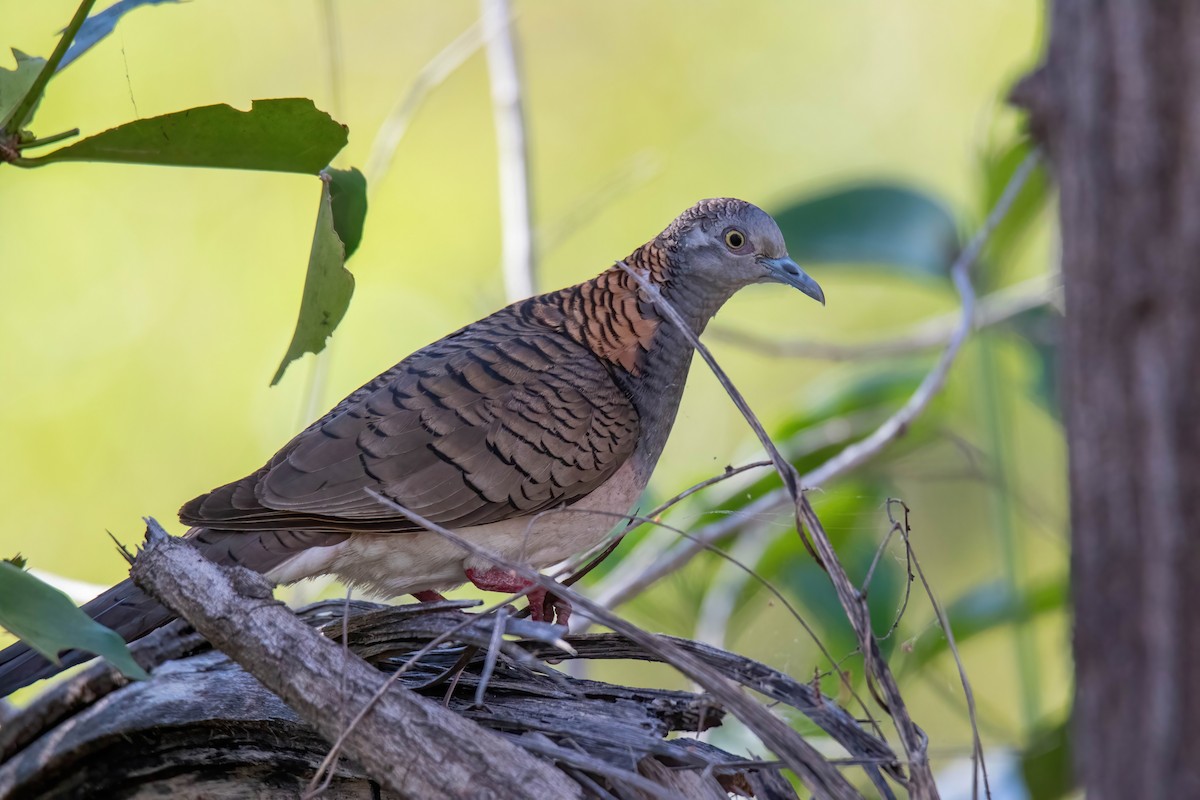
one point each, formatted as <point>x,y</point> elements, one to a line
<point>428,596</point>
<point>542,607</point>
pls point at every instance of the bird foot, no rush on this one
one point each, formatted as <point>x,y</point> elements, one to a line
<point>543,606</point>
<point>428,596</point>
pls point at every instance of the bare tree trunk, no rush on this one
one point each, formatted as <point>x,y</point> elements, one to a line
<point>1118,106</point>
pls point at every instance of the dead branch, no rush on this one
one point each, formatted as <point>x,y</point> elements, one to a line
<point>413,746</point>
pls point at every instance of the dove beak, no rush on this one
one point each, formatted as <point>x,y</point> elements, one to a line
<point>784,270</point>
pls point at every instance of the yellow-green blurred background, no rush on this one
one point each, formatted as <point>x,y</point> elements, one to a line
<point>146,308</point>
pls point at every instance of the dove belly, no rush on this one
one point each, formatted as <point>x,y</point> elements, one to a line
<point>390,564</point>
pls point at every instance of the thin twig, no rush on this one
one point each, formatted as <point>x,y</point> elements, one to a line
<point>646,569</point>
<point>493,653</point>
<point>791,479</point>
<point>798,754</point>
<point>977,761</point>
<point>45,140</point>
<point>516,218</point>
<point>333,52</point>
<point>921,784</point>
<point>21,112</point>
<point>908,573</point>
<point>857,454</point>
<point>430,76</point>
<point>633,574</point>
<point>734,562</point>
<point>879,551</point>
<point>997,307</point>
<point>704,484</point>
<point>335,749</point>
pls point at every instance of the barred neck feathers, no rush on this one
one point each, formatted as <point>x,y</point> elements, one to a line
<point>611,316</point>
<point>608,314</point>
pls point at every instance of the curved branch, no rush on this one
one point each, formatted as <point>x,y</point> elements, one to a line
<point>999,306</point>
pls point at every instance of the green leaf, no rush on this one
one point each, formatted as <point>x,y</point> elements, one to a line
<point>46,620</point>
<point>348,194</point>
<point>14,83</point>
<point>876,223</point>
<point>1047,765</point>
<point>328,287</point>
<point>280,135</point>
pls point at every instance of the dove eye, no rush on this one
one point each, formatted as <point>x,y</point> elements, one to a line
<point>735,239</point>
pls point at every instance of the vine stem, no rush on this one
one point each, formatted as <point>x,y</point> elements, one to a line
<point>21,112</point>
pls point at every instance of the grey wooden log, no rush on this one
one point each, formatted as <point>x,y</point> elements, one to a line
<point>204,729</point>
<point>409,744</point>
<point>691,785</point>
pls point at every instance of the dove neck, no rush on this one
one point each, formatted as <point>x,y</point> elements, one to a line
<point>657,388</point>
<point>647,354</point>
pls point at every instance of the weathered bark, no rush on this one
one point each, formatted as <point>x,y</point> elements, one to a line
<point>1118,106</point>
<point>416,747</point>
<point>202,727</point>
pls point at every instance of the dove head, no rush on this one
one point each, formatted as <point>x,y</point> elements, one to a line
<point>722,244</point>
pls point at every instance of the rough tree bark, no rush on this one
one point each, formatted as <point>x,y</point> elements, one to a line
<point>478,713</point>
<point>414,745</point>
<point>1117,105</point>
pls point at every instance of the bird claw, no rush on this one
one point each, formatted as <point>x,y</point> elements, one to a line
<point>544,606</point>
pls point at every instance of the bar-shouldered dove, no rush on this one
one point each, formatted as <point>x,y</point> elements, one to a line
<point>560,403</point>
